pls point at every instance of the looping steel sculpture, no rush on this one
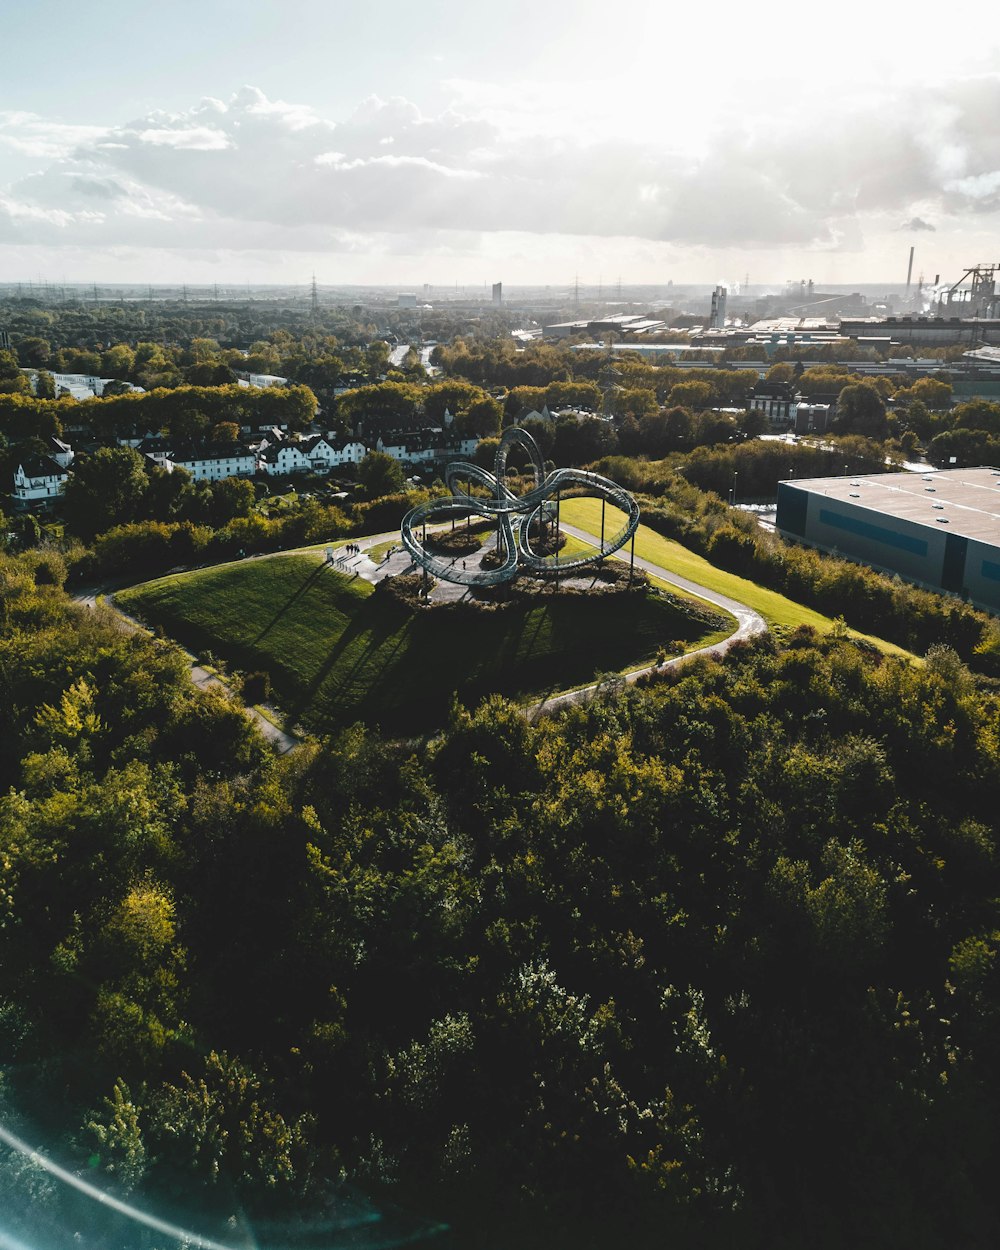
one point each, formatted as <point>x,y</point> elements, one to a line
<point>514,516</point>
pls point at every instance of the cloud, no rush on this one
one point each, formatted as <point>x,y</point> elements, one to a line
<point>38,136</point>
<point>255,173</point>
<point>193,138</point>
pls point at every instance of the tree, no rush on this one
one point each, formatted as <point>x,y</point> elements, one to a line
<point>45,385</point>
<point>579,442</point>
<point>34,353</point>
<point>232,497</point>
<point>225,432</point>
<point>486,453</point>
<point>204,350</point>
<point>860,410</point>
<point>636,401</point>
<point>118,362</point>
<point>379,474</point>
<point>27,531</point>
<point>12,380</point>
<point>667,431</point>
<point>482,420</point>
<point>691,394</point>
<point>105,489</point>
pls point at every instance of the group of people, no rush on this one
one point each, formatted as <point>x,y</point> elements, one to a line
<point>352,549</point>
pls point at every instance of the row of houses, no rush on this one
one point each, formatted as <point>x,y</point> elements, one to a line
<point>39,481</point>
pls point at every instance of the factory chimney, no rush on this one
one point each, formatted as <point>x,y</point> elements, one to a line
<point>909,271</point>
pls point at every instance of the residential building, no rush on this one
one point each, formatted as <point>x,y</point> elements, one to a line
<point>38,482</point>
<point>778,402</point>
<point>423,447</point>
<point>214,464</point>
<point>60,452</point>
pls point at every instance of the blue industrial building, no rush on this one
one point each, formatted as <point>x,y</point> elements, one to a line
<point>938,529</point>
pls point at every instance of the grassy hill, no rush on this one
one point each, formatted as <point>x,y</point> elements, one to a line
<point>776,608</point>
<point>337,652</point>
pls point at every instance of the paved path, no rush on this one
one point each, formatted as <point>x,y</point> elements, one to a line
<point>201,677</point>
<point>749,623</point>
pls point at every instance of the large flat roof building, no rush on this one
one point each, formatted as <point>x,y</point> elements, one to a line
<point>927,331</point>
<point>940,529</point>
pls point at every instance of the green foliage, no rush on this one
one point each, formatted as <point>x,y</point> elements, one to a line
<point>712,957</point>
<point>861,411</point>
<point>120,1141</point>
<point>105,489</point>
<point>380,474</point>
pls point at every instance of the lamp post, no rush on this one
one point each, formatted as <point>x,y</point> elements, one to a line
<point>732,493</point>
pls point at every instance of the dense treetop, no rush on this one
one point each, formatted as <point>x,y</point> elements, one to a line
<point>714,957</point>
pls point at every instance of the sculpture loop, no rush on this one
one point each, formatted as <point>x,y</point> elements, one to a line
<point>514,516</point>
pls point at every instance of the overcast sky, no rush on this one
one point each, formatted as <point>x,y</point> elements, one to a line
<point>467,142</point>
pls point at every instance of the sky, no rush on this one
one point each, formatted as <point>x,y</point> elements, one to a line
<point>533,143</point>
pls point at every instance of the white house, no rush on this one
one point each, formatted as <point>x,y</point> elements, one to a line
<point>217,463</point>
<point>79,385</point>
<point>60,452</point>
<point>38,481</point>
<point>319,454</point>
<point>284,458</point>
<point>261,380</point>
<point>427,446</point>
<point>327,452</point>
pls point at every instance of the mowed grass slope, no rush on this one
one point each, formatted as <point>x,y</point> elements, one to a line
<point>337,652</point>
<point>670,555</point>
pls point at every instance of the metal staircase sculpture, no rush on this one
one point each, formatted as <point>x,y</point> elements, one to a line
<point>514,516</point>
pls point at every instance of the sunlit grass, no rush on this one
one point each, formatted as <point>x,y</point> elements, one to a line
<point>776,608</point>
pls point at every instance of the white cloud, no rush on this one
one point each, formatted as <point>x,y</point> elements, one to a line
<point>253,173</point>
<point>43,137</point>
<point>193,138</point>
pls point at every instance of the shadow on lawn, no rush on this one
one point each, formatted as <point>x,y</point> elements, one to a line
<point>307,582</point>
<point>379,621</point>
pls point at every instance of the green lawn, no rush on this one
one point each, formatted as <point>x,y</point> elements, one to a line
<point>775,608</point>
<point>337,652</point>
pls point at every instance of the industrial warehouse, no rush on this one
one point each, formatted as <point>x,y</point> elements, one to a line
<point>938,529</point>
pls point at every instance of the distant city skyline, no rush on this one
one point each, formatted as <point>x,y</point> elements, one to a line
<point>388,145</point>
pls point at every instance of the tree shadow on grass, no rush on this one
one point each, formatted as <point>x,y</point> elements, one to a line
<point>379,621</point>
<point>292,599</point>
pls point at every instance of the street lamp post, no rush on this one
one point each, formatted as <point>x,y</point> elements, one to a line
<point>732,493</point>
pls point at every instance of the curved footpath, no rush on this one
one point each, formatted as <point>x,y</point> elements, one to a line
<point>750,623</point>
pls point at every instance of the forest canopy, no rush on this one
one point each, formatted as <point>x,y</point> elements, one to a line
<point>711,958</point>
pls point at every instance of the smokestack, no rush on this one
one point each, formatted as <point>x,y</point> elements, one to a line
<point>909,272</point>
